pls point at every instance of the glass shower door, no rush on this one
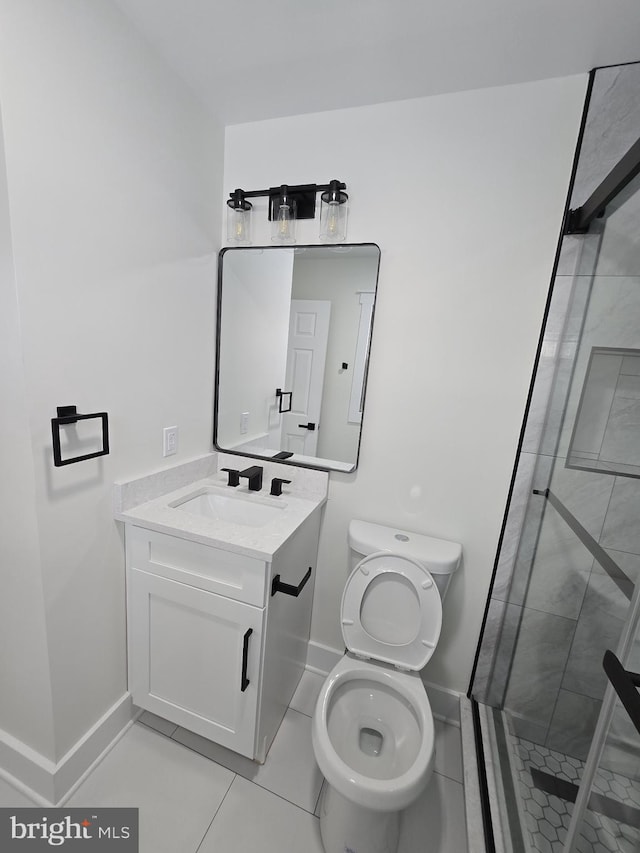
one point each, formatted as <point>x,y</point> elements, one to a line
<point>567,754</point>
<point>574,740</point>
<point>607,812</point>
<point>584,578</point>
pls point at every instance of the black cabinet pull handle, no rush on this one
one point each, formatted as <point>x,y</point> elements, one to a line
<point>289,589</point>
<point>244,681</point>
<point>625,684</point>
<point>310,426</point>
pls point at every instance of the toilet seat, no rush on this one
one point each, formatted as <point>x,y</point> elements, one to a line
<point>391,611</point>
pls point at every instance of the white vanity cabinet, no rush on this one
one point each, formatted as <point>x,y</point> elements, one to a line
<point>210,647</point>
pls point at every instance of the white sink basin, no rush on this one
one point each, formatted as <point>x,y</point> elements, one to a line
<point>219,505</point>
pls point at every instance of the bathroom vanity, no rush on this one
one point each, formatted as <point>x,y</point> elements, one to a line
<point>219,593</point>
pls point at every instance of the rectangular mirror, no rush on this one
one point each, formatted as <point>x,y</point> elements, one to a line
<point>292,352</point>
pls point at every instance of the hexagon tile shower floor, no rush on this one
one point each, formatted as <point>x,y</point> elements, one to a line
<point>547,815</point>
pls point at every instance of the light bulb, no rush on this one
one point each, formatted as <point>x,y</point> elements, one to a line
<point>284,215</point>
<point>239,229</point>
<point>238,219</point>
<point>333,214</point>
<point>284,225</point>
<point>333,220</point>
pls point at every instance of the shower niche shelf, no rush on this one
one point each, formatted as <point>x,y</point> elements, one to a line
<point>606,433</point>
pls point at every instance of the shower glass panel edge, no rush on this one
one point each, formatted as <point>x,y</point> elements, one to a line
<point>567,567</point>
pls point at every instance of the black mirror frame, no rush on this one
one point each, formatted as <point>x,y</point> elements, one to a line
<point>273,458</point>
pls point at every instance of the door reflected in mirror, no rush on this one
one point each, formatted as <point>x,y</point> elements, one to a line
<point>293,340</point>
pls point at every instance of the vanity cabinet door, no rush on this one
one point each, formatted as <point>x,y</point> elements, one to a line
<point>194,658</point>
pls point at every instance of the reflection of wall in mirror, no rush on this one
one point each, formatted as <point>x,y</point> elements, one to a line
<point>253,355</point>
<point>342,285</point>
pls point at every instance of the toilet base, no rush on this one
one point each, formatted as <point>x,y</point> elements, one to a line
<point>348,828</point>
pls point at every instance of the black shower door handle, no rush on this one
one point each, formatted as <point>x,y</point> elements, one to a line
<point>625,684</point>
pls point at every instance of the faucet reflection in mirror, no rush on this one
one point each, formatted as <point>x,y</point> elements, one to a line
<point>293,340</point>
<point>286,205</point>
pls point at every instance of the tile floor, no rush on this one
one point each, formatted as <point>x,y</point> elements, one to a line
<point>197,797</point>
<point>546,817</point>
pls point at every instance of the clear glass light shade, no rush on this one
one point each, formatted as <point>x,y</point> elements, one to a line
<point>333,214</point>
<point>283,227</point>
<point>333,222</point>
<point>239,225</point>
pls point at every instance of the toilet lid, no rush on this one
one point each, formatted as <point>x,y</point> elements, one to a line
<point>391,611</point>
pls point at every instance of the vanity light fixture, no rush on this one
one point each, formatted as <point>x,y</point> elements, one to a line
<point>283,228</point>
<point>238,219</point>
<point>333,214</point>
<point>287,204</point>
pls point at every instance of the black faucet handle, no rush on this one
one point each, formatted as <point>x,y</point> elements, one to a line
<point>254,475</point>
<point>277,484</point>
<point>234,476</point>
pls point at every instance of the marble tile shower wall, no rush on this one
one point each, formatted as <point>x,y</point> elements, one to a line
<point>553,610</point>
<point>534,469</point>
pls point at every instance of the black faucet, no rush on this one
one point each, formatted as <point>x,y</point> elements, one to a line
<point>234,476</point>
<point>254,475</point>
<point>276,485</point>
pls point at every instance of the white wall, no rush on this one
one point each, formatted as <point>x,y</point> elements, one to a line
<point>253,353</point>
<point>25,687</point>
<point>464,194</point>
<point>112,168</point>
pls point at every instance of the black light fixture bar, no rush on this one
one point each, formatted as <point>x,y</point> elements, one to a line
<point>625,170</point>
<point>304,196</point>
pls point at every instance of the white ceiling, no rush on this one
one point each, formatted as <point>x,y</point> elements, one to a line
<point>255,59</point>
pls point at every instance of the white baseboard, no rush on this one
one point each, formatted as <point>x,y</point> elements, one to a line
<point>322,659</point>
<point>48,783</point>
<point>27,770</point>
<point>92,747</point>
<point>445,703</point>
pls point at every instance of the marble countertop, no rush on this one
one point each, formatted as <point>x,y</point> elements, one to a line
<point>261,542</point>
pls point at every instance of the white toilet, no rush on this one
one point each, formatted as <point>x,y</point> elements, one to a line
<point>373,735</point>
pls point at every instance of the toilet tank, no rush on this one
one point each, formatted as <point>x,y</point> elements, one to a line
<point>439,556</point>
